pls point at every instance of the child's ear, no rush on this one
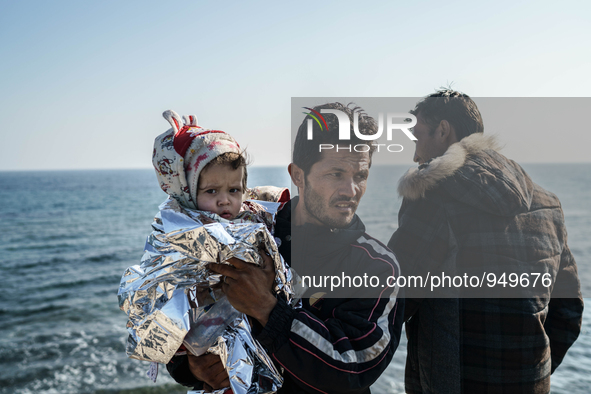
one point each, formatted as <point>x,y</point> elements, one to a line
<point>244,179</point>
<point>174,119</point>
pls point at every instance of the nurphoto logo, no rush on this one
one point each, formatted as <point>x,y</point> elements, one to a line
<point>408,121</point>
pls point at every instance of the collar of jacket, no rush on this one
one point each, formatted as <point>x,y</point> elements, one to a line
<point>324,240</point>
<point>283,220</point>
<point>417,181</point>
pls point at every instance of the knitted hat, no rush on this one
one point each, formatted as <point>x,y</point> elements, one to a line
<point>182,152</point>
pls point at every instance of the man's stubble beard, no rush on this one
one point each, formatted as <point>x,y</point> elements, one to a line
<point>315,206</point>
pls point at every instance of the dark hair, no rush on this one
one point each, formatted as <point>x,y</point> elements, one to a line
<point>455,107</point>
<point>306,152</point>
<point>235,160</point>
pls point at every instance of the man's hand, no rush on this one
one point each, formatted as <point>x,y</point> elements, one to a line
<point>249,287</point>
<point>209,369</point>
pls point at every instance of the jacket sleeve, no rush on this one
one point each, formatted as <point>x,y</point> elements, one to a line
<point>421,244</point>
<point>343,354</point>
<point>565,311</point>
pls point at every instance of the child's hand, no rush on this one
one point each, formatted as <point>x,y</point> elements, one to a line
<point>249,287</point>
<point>209,369</point>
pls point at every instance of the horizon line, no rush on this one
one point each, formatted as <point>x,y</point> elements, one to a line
<point>254,166</point>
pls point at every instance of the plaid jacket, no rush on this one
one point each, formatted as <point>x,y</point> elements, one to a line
<point>473,210</point>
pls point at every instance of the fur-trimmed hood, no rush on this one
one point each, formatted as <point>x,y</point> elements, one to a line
<point>473,172</point>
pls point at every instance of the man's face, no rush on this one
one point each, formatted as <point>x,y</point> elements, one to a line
<point>333,188</point>
<point>428,144</point>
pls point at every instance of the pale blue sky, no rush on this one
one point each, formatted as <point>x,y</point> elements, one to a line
<point>83,84</point>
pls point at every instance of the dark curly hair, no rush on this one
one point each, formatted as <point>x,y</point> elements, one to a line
<point>306,152</point>
<point>455,107</point>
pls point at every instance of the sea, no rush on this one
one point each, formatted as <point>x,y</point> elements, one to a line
<point>67,236</point>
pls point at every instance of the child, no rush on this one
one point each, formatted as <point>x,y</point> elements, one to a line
<point>181,154</point>
<point>221,185</point>
<point>186,153</point>
<point>204,171</point>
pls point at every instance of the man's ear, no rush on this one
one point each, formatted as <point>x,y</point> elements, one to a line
<point>297,175</point>
<point>446,132</point>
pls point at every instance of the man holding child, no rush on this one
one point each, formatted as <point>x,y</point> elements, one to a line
<point>330,345</point>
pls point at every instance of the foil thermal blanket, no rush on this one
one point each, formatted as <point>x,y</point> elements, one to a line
<point>172,293</point>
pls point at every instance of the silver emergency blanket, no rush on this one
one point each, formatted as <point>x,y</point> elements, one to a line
<point>171,297</point>
<point>237,350</point>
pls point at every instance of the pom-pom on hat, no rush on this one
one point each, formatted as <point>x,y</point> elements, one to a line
<point>183,151</point>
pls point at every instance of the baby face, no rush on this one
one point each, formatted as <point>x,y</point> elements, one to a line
<point>220,190</point>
